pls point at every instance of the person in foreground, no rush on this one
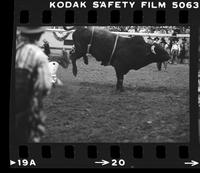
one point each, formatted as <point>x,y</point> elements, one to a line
<point>32,84</point>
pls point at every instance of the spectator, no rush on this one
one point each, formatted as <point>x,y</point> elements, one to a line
<point>175,51</point>
<point>149,40</point>
<point>163,43</point>
<point>64,60</point>
<point>184,53</point>
<point>156,40</point>
<point>46,47</point>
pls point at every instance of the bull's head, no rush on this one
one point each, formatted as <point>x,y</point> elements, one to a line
<point>159,53</point>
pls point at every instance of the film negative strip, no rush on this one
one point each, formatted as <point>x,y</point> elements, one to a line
<point>105,84</point>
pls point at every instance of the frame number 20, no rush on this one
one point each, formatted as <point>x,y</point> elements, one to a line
<point>120,162</point>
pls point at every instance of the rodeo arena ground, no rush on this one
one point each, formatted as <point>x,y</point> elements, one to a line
<point>84,105</point>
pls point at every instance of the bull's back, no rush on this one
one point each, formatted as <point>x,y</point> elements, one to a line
<point>132,53</point>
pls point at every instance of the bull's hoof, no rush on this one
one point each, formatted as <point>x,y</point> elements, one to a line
<point>104,63</point>
<point>120,90</point>
<point>85,61</point>
<point>74,72</point>
<point>53,85</point>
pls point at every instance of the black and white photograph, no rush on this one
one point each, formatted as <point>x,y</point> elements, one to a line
<point>102,84</point>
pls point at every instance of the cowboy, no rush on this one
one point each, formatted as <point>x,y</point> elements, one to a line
<point>175,50</point>
<point>32,84</point>
<point>184,53</point>
<point>164,44</point>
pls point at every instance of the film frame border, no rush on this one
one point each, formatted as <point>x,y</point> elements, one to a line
<point>184,151</point>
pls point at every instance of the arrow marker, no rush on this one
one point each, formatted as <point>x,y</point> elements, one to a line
<point>12,162</point>
<point>103,162</point>
<point>192,163</point>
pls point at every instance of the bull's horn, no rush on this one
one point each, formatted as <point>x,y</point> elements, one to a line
<point>153,49</point>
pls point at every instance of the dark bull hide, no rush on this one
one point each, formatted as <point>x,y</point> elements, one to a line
<point>130,53</point>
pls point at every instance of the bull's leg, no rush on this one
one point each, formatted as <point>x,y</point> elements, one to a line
<point>159,65</point>
<point>120,78</point>
<point>119,74</point>
<point>74,67</point>
<point>165,64</point>
<point>85,59</point>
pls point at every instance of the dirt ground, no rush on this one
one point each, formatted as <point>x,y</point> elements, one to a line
<point>153,108</point>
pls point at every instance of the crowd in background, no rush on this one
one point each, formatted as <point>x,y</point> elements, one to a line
<point>151,29</point>
<point>178,48</point>
<point>144,29</point>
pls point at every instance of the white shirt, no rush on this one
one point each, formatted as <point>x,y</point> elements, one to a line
<point>176,46</point>
<point>53,67</point>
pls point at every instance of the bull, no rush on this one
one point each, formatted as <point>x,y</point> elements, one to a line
<point>123,53</point>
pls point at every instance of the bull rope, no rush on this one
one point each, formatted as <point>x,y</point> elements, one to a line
<point>113,51</point>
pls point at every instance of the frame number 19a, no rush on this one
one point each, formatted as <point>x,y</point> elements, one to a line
<point>25,162</point>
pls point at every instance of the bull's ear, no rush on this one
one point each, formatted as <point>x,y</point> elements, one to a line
<point>153,49</point>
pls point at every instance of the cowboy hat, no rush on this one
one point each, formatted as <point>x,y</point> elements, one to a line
<point>32,30</point>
